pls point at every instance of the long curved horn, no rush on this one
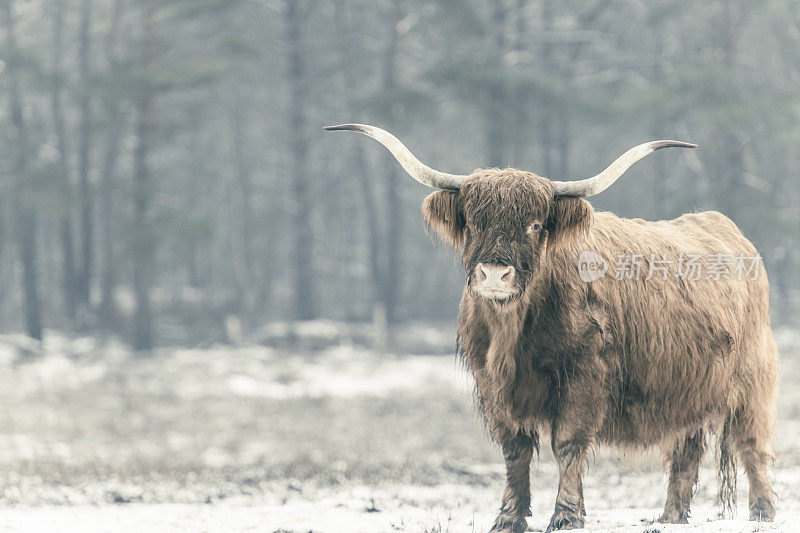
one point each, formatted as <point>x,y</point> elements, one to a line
<point>420,172</point>
<point>601,182</point>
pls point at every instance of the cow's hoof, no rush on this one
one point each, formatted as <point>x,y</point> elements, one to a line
<point>563,519</point>
<point>503,525</point>
<point>762,510</point>
<point>673,517</point>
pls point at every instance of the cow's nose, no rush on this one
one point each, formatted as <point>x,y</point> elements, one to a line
<point>495,276</point>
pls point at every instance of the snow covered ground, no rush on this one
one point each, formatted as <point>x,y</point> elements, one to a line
<point>94,438</point>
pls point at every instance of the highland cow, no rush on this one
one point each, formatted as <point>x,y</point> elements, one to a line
<point>656,359</point>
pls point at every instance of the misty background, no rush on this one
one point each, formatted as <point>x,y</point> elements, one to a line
<point>165,178</point>
<point>216,316</point>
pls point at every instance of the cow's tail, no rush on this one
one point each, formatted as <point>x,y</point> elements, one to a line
<point>727,472</point>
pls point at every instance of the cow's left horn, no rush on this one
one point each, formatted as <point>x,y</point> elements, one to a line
<point>420,172</point>
<point>601,182</point>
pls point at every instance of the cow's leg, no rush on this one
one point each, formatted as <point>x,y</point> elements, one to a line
<point>752,436</point>
<point>518,452</point>
<point>570,454</point>
<point>684,462</point>
<point>581,413</point>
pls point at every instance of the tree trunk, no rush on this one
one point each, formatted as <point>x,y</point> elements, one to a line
<point>495,110</point>
<point>24,214</point>
<point>26,227</point>
<point>303,269</point>
<point>144,252</point>
<point>564,146</point>
<point>732,146</point>
<point>520,142</point>
<point>67,244</point>
<point>193,205</point>
<point>109,317</point>
<point>84,141</point>
<point>394,212</point>
<point>242,245</point>
<point>546,120</point>
<point>660,195</point>
<point>360,167</point>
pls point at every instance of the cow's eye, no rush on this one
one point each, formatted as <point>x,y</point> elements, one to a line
<point>536,227</point>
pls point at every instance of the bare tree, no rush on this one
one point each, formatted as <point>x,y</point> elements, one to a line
<point>394,210</point>
<point>67,243</point>
<point>84,146</point>
<point>575,51</point>
<point>497,88</point>
<point>242,257</point>
<point>732,148</point>
<point>144,253</point>
<point>302,258</point>
<point>361,168</point>
<point>114,136</point>
<point>24,213</point>
<point>546,115</point>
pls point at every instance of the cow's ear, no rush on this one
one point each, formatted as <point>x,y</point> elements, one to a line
<point>443,213</point>
<point>569,217</point>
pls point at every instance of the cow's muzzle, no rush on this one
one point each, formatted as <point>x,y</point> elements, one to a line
<point>494,282</point>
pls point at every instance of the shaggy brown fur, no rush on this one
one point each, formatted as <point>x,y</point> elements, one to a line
<point>657,362</point>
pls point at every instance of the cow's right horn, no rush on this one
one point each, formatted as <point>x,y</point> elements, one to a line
<point>599,183</point>
<point>420,172</point>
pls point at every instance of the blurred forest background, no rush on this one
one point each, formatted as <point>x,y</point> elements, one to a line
<point>165,178</point>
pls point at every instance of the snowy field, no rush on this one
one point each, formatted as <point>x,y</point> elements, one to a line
<point>323,437</point>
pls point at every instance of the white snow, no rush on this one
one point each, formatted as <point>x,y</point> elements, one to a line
<point>253,438</point>
<point>334,516</point>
